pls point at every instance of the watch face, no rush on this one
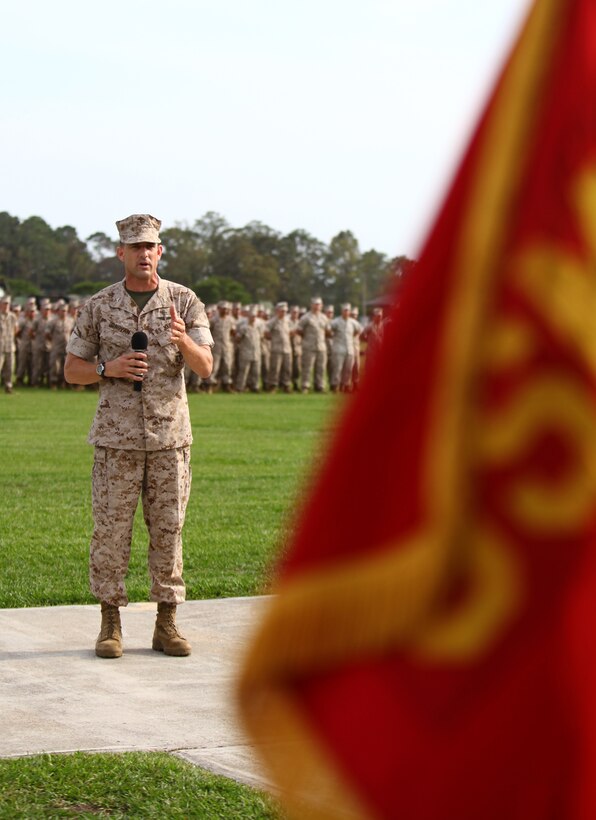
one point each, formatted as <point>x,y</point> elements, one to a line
<point>100,369</point>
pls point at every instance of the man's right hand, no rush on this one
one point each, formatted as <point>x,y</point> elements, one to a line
<point>131,366</point>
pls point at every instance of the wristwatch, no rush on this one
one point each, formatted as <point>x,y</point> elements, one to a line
<point>101,369</point>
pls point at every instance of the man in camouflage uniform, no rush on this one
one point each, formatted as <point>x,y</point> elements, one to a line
<point>142,436</point>
<point>8,329</point>
<point>344,330</point>
<point>277,331</point>
<point>313,327</point>
<point>356,368</point>
<point>296,341</point>
<point>24,343</point>
<point>248,338</point>
<point>238,316</point>
<point>41,346</point>
<point>263,318</point>
<point>222,326</point>
<point>329,312</point>
<point>58,332</point>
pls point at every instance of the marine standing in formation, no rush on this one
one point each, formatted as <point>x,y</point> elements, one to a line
<point>344,331</point>
<point>313,327</point>
<point>277,331</point>
<point>8,331</point>
<point>222,326</point>
<point>142,437</point>
<point>41,346</point>
<point>248,338</point>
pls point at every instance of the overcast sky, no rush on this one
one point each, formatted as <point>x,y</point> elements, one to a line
<point>325,115</point>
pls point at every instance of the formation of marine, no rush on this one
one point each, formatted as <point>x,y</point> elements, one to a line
<point>286,349</point>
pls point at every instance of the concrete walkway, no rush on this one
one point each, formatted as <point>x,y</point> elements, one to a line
<point>56,696</point>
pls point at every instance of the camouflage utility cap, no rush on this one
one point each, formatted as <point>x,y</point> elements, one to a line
<point>139,228</point>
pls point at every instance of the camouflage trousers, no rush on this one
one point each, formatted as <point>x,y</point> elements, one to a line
<point>342,364</point>
<point>249,372</point>
<point>318,360</point>
<point>280,369</point>
<point>6,367</point>
<point>223,359</point>
<point>162,479</point>
<point>56,366</point>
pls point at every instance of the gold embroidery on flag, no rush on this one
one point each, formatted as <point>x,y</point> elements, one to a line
<point>541,503</point>
<point>511,341</point>
<point>563,287</point>
<point>494,590</point>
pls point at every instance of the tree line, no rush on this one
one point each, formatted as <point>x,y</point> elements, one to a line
<point>250,264</point>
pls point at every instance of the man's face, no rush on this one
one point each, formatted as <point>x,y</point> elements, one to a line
<point>346,313</point>
<point>4,307</point>
<point>140,261</point>
<point>316,307</point>
<point>281,312</point>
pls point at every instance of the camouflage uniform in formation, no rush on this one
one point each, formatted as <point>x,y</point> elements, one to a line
<point>142,439</point>
<point>296,342</point>
<point>222,325</point>
<point>313,329</point>
<point>344,331</point>
<point>277,330</point>
<point>25,346</point>
<point>41,348</point>
<point>8,327</point>
<point>249,336</point>
<point>58,332</point>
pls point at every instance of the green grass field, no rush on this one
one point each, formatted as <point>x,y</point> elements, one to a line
<point>130,785</point>
<point>252,457</point>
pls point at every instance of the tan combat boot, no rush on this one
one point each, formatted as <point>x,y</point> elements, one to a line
<point>109,640</point>
<point>166,637</point>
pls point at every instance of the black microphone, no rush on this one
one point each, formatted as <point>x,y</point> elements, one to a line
<point>139,344</point>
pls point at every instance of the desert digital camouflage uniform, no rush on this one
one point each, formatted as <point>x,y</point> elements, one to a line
<point>344,331</point>
<point>24,346</point>
<point>41,347</point>
<point>249,336</point>
<point>142,439</point>
<point>263,318</point>
<point>356,367</point>
<point>237,314</point>
<point>330,314</point>
<point>58,332</point>
<point>8,328</point>
<point>313,328</point>
<point>296,342</point>
<point>222,325</point>
<point>277,330</point>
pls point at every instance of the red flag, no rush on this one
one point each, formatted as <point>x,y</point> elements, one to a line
<point>428,652</point>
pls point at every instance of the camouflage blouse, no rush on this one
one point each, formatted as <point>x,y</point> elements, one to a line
<point>156,417</point>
